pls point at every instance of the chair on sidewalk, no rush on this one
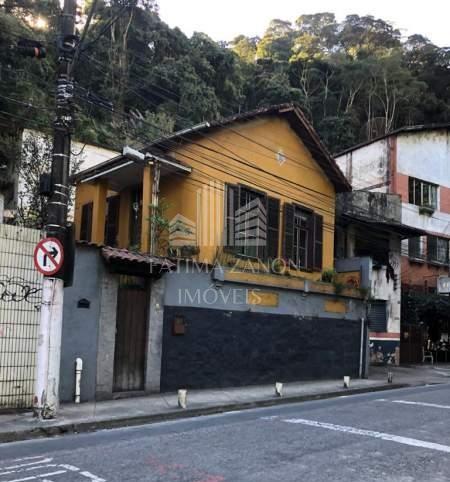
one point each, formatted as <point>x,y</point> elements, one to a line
<point>427,355</point>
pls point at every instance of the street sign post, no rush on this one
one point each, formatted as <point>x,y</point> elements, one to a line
<point>48,256</point>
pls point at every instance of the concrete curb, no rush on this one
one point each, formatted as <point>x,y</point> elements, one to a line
<point>94,425</point>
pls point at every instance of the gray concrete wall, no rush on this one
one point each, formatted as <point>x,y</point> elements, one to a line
<point>187,287</point>
<point>80,325</point>
<point>155,335</point>
<point>109,284</point>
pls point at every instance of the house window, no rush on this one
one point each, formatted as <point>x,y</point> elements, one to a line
<point>437,249</point>
<point>86,222</point>
<point>422,193</point>
<point>303,237</point>
<point>416,249</point>
<point>252,222</point>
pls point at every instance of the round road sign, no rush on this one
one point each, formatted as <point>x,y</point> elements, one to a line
<point>48,256</point>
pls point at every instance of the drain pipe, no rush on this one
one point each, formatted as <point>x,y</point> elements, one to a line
<point>361,349</point>
<point>78,371</point>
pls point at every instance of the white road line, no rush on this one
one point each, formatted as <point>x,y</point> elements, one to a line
<point>93,477</point>
<point>423,404</point>
<point>40,476</point>
<point>369,433</point>
<point>29,458</point>
<point>18,466</point>
<point>27,469</point>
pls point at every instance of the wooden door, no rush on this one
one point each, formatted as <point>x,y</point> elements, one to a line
<point>131,334</point>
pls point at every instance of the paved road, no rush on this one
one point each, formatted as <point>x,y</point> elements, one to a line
<point>400,435</point>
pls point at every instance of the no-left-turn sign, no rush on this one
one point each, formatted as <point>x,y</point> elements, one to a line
<point>48,256</point>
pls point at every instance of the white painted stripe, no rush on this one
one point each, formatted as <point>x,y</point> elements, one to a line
<point>72,468</point>
<point>423,404</point>
<point>40,476</point>
<point>18,466</point>
<point>29,458</point>
<point>369,433</point>
<point>93,477</point>
<point>27,469</point>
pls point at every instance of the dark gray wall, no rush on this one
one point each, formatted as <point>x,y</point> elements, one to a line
<point>231,348</point>
<point>80,325</point>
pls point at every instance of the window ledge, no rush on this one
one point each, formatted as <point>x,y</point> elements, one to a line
<point>427,210</point>
<point>440,264</point>
<point>413,259</point>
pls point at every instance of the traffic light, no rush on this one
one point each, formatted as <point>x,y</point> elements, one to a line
<point>31,48</point>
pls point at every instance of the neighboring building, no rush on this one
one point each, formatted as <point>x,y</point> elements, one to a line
<point>202,266</point>
<point>88,156</point>
<point>368,240</point>
<point>413,162</point>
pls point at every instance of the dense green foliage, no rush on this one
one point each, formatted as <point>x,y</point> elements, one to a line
<point>138,79</point>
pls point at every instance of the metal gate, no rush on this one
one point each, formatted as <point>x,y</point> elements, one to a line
<point>20,298</point>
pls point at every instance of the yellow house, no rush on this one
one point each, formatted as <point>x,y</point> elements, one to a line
<point>241,211</point>
<point>202,178</point>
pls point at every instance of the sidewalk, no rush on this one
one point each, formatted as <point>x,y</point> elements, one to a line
<point>156,408</point>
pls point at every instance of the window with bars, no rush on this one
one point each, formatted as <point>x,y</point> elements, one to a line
<point>252,222</point>
<point>416,248</point>
<point>303,237</point>
<point>422,193</point>
<point>438,249</point>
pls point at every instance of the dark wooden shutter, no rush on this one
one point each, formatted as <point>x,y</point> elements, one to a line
<point>288,231</point>
<point>273,227</point>
<point>318,242</point>
<point>112,220</point>
<point>86,222</point>
<point>231,207</point>
<point>431,248</point>
<point>311,242</point>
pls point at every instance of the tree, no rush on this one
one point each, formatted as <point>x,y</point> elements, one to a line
<point>36,160</point>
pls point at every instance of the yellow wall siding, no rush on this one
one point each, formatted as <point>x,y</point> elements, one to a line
<point>199,197</point>
<point>302,180</point>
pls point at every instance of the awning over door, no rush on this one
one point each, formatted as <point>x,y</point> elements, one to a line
<point>133,262</point>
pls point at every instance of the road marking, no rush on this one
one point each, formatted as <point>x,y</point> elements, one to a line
<point>40,476</point>
<point>423,404</point>
<point>39,463</point>
<point>369,433</point>
<point>18,466</point>
<point>93,477</point>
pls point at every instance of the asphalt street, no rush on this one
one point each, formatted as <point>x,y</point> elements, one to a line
<point>399,435</point>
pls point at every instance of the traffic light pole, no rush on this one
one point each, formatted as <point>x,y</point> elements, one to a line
<point>46,393</point>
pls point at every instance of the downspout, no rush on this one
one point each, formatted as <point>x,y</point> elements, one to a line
<point>78,371</point>
<point>155,205</point>
<point>361,349</point>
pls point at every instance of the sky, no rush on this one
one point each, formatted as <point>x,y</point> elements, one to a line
<point>225,19</point>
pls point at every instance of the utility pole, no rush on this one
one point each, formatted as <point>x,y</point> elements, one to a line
<point>46,393</point>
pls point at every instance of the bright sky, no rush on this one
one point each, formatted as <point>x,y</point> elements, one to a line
<point>224,19</point>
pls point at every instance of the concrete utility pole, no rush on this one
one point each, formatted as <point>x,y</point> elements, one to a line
<point>46,394</point>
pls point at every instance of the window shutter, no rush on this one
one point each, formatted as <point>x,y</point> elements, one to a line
<point>273,226</point>
<point>288,232</point>
<point>86,222</point>
<point>311,242</point>
<point>232,193</point>
<point>431,248</point>
<point>318,242</point>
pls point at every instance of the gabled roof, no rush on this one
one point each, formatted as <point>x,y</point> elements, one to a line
<point>400,130</point>
<point>296,119</point>
<point>291,112</point>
